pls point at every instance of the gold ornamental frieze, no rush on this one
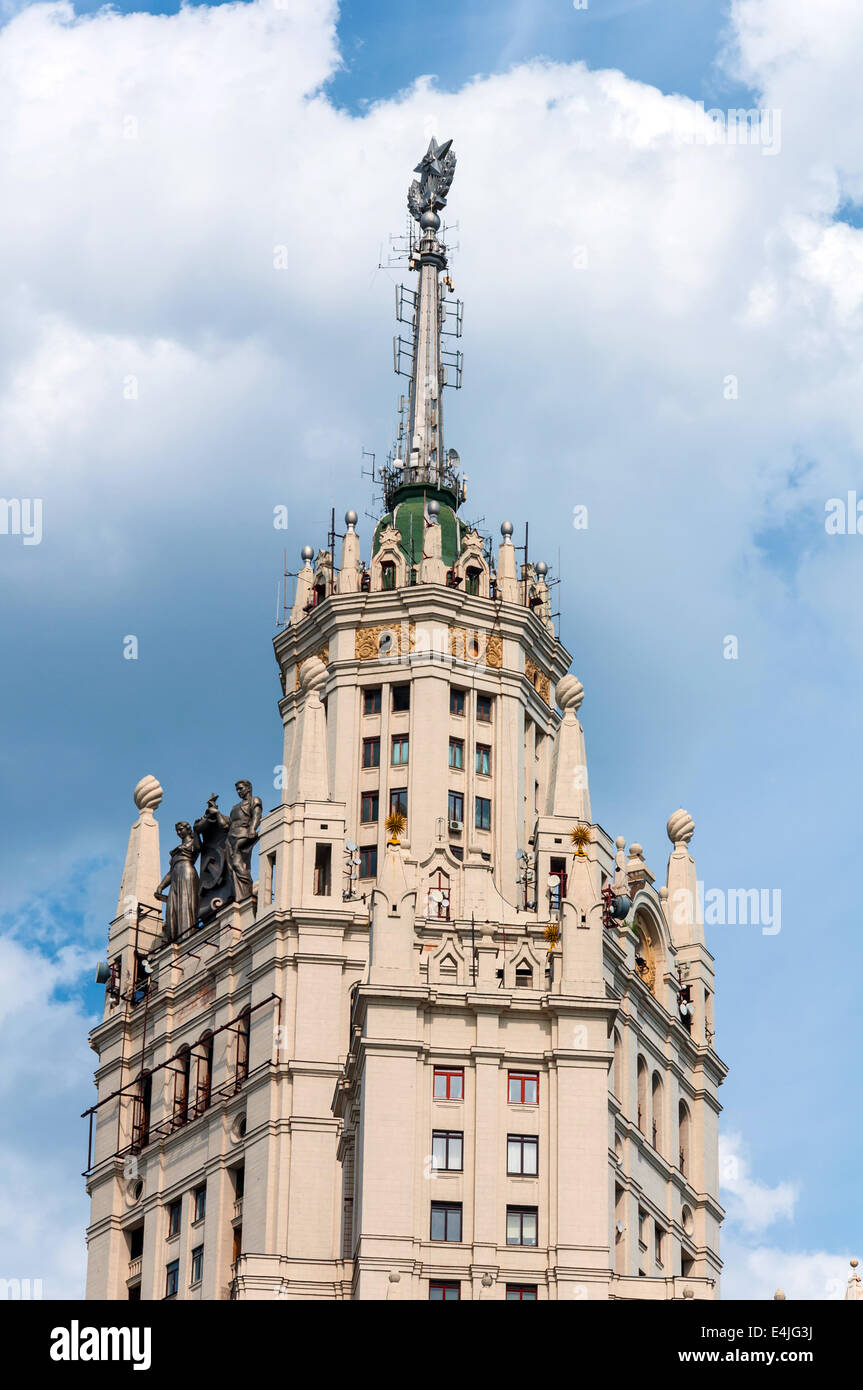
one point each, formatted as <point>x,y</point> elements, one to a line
<point>538,679</point>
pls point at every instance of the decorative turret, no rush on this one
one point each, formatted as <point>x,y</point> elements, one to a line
<point>304,597</point>
<point>507,575</point>
<point>682,908</point>
<point>141,873</point>
<point>568,793</point>
<point>350,574</point>
<point>308,779</point>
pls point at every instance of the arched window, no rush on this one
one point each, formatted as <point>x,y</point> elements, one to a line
<point>205,1074</point>
<point>656,1112</point>
<point>182,1073</point>
<point>643,1117</point>
<point>472,578</point>
<point>684,1133</point>
<point>523,976</point>
<point>646,951</point>
<point>243,1023</point>
<point>141,1113</point>
<point>438,897</point>
<point>617,1067</point>
<point>388,574</point>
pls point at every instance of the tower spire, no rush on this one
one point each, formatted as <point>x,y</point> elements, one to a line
<point>425,461</point>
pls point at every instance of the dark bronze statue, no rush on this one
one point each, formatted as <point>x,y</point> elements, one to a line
<point>226,850</point>
<point>181,882</point>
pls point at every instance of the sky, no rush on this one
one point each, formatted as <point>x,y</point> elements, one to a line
<point>662,325</point>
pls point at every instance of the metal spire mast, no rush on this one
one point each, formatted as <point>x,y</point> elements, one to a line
<point>424,460</point>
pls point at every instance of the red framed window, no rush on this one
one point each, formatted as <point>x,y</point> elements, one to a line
<point>444,1293</point>
<point>523,1088</point>
<point>174,1210</point>
<point>521,1293</point>
<point>372,700</point>
<point>448,1083</point>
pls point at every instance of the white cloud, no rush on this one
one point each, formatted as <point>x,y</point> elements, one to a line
<point>751,1205</point>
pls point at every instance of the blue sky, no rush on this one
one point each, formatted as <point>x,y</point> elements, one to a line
<point>144,253</point>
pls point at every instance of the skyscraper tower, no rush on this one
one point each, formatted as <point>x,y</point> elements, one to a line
<point>452,1042</point>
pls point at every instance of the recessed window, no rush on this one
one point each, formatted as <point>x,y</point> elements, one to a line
<point>557,869</point>
<point>446,1221</point>
<point>369,808</point>
<point>522,1155</point>
<point>243,1030</point>
<point>447,1150</point>
<point>174,1211</point>
<point>203,1089</point>
<point>523,1087</point>
<point>172,1279</point>
<point>444,1293</point>
<point>182,1073</point>
<point>456,701</point>
<point>523,976</point>
<point>399,801</point>
<point>401,698</point>
<point>456,807</point>
<point>521,1293</point>
<point>642,1227</point>
<point>449,1083</point>
<point>400,750</point>
<point>456,752</point>
<point>136,1242</point>
<point>197,1264</point>
<point>199,1203</point>
<point>483,759</point>
<point>368,861</point>
<point>323,870</point>
<point>482,816</point>
<point>372,700</point>
<point>471,581</point>
<point>371,752</point>
<point>658,1243</point>
<point>521,1225</point>
<point>388,574</point>
<point>483,708</point>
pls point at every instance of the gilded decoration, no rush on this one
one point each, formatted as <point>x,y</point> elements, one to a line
<point>398,641</point>
<point>471,644</point>
<point>538,680</point>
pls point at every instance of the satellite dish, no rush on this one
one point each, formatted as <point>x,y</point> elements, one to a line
<point>520,854</point>
<point>103,972</point>
<point>350,846</point>
<point>398,463</point>
<point>553,880</point>
<point>435,895</point>
<point>619,1228</point>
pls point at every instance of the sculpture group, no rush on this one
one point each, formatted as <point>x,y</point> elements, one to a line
<point>224,844</point>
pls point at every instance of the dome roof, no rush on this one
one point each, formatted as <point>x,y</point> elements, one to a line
<point>408,517</point>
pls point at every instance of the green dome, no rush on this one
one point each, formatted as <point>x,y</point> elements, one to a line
<point>408,517</point>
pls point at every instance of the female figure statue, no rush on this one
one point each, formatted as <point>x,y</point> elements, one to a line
<point>181,881</point>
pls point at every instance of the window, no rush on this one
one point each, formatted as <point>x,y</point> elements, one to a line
<point>483,759</point>
<point>521,1293</point>
<point>174,1211</point>
<point>172,1279</point>
<point>197,1264</point>
<point>199,1203</point>
<point>401,698</point>
<point>523,1087</point>
<point>521,1226</point>
<point>372,700</point>
<point>522,1154</point>
<point>471,584</point>
<point>399,801</point>
<point>684,1131</point>
<point>136,1242</point>
<point>239,1183</point>
<point>438,898</point>
<point>205,1074</point>
<point>270,878</point>
<point>237,1245</point>
<point>523,976</point>
<point>141,1113</point>
<point>446,1221</point>
<point>482,815</point>
<point>368,861</point>
<point>449,1083</point>
<point>483,708</point>
<point>642,1094</point>
<point>182,1072</point>
<point>388,574</point>
<point>400,750</point>
<point>642,1228</point>
<point>135,1293</point>
<point>456,807</point>
<point>444,1293</point>
<point>369,808</point>
<point>456,701</point>
<point>243,1027</point>
<point>456,752</point>
<point>447,1147</point>
<point>557,869</point>
<point>658,1243</point>
<point>371,752</point>
<point>323,866</point>
<point>657,1106</point>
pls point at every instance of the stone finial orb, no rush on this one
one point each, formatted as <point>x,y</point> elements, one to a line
<point>307,554</point>
<point>351,519</point>
<point>569,693</point>
<point>313,674</point>
<point>541,569</point>
<point>688,1292</point>
<point>620,841</point>
<point>394,1276</point>
<point>147,794</point>
<point>779,1296</point>
<point>680,828</point>
<point>636,851</point>
<point>486,1280</point>
<point>854,1264</point>
<point>506,529</point>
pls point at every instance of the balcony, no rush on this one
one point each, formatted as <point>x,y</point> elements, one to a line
<point>238,1209</point>
<point>135,1267</point>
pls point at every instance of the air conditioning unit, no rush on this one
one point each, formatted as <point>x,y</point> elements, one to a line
<point>456,826</point>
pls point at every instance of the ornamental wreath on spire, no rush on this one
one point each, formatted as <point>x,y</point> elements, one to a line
<point>436,168</point>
